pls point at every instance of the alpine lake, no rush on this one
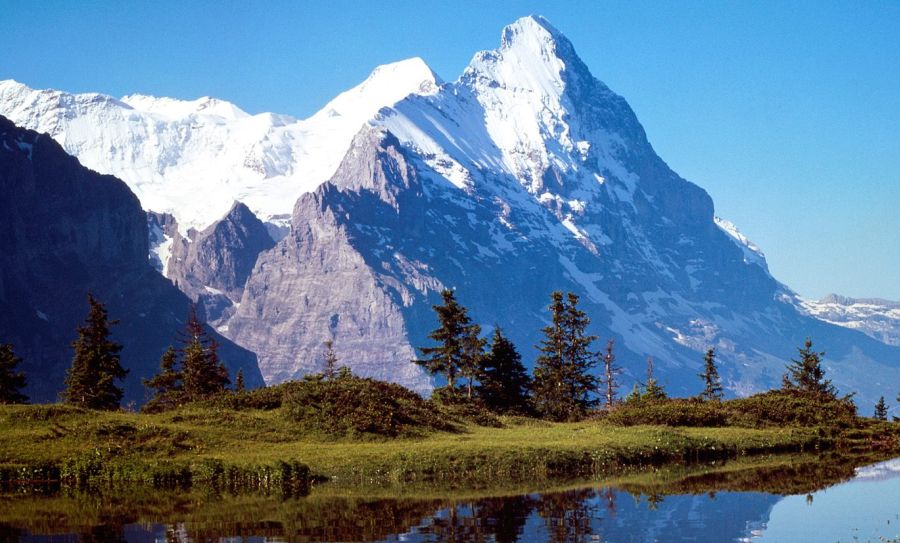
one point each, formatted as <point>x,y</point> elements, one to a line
<point>777,498</point>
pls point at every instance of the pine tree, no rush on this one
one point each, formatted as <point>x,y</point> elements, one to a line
<point>471,363</point>
<point>331,360</point>
<point>881,410</point>
<point>203,373</point>
<point>712,384</point>
<point>167,385</point>
<point>806,374</point>
<point>11,381</point>
<point>504,381</point>
<point>562,383</point>
<point>239,382</point>
<point>457,348</point>
<point>610,372</point>
<point>653,390</point>
<point>96,365</point>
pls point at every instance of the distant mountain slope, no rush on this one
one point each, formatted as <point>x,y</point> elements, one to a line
<point>66,231</point>
<point>874,317</point>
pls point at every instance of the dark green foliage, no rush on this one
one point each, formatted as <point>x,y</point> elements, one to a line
<point>806,374</point>
<point>504,380</point>
<point>11,381</point>
<point>331,360</point>
<point>239,382</point>
<point>348,406</point>
<point>96,365</point>
<point>610,374</point>
<point>202,373</point>
<point>653,391</point>
<point>563,384</point>
<point>712,384</point>
<point>167,386</point>
<point>458,409</point>
<point>459,348</point>
<point>881,410</point>
<point>676,412</point>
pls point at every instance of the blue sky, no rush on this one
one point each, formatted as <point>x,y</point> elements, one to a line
<point>788,113</point>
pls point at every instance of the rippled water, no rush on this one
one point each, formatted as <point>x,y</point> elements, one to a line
<point>813,500</point>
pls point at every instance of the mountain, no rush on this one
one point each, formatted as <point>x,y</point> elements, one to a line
<point>877,318</point>
<point>168,151</point>
<point>525,175</point>
<point>66,231</point>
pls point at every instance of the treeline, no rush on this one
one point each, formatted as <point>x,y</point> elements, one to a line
<point>569,379</point>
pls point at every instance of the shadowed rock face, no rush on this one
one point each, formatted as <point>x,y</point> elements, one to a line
<point>525,176</point>
<point>66,231</point>
<point>212,266</point>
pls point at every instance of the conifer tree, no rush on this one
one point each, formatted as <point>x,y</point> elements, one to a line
<point>11,381</point>
<point>457,348</point>
<point>167,385</point>
<point>96,365</point>
<point>239,381</point>
<point>610,373</point>
<point>331,360</point>
<point>712,384</point>
<point>653,390</point>
<point>881,410</point>
<point>562,383</point>
<point>203,374</point>
<point>806,374</point>
<point>472,361</point>
<point>504,381</point>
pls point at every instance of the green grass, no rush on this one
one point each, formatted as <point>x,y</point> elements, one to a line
<point>146,447</point>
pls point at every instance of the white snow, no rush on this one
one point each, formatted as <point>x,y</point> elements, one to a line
<point>752,253</point>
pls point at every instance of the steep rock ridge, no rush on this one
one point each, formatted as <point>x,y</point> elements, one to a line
<point>193,159</point>
<point>524,176</point>
<point>212,266</point>
<point>65,231</point>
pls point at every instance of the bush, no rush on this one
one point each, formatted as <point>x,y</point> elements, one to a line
<point>676,412</point>
<point>454,405</point>
<point>793,407</point>
<point>353,406</point>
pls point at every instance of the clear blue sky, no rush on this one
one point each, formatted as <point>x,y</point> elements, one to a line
<point>788,113</point>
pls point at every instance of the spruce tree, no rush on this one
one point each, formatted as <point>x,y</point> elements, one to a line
<point>331,360</point>
<point>653,390</point>
<point>239,385</point>
<point>97,364</point>
<point>610,373</point>
<point>471,364</point>
<point>167,385</point>
<point>712,384</point>
<point>457,346</point>
<point>881,410</point>
<point>562,383</point>
<point>203,373</point>
<point>504,381</point>
<point>806,374</point>
<point>11,381</point>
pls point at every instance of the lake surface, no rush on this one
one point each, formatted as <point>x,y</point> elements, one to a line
<point>805,500</point>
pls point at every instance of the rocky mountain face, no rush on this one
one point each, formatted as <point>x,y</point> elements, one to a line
<point>877,318</point>
<point>66,231</point>
<point>524,176</point>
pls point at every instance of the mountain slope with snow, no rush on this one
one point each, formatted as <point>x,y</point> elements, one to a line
<point>874,317</point>
<point>193,159</point>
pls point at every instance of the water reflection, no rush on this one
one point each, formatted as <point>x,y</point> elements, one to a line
<point>731,502</point>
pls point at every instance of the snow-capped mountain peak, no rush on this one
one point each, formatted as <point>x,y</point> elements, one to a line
<point>173,109</point>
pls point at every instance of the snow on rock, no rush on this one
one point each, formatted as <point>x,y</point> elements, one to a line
<point>874,317</point>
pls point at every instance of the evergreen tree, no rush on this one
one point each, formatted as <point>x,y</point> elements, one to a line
<point>610,373</point>
<point>504,382</point>
<point>712,384</point>
<point>167,385</point>
<point>653,390</point>
<point>239,381</point>
<point>562,383</point>
<point>806,374</point>
<point>881,410</point>
<point>203,374</point>
<point>11,381</point>
<point>458,345</point>
<point>331,360</point>
<point>472,361</point>
<point>96,365</point>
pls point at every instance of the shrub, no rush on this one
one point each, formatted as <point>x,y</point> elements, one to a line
<point>354,406</point>
<point>793,407</point>
<point>676,412</point>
